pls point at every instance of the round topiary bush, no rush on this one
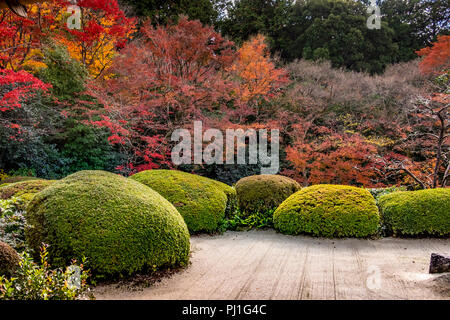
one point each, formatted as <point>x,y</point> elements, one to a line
<point>119,225</point>
<point>26,190</point>
<point>201,201</point>
<point>264,192</point>
<point>423,212</point>
<point>9,259</point>
<point>329,211</point>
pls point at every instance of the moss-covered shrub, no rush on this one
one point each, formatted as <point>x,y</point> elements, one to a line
<point>120,225</point>
<point>201,201</point>
<point>330,211</point>
<point>14,179</point>
<point>26,190</point>
<point>423,212</point>
<point>264,192</point>
<point>9,259</point>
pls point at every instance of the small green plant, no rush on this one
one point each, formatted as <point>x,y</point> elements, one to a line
<point>39,282</point>
<point>12,223</point>
<point>241,221</point>
<point>378,192</point>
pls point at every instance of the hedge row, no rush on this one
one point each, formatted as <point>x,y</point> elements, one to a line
<point>119,224</point>
<point>126,225</point>
<point>201,201</point>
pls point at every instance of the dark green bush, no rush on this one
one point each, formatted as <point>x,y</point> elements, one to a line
<point>66,75</point>
<point>240,221</point>
<point>201,201</point>
<point>330,211</point>
<point>120,225</point>
<point>264,192</point>
<point>9,259</point>
<point>423,212</point>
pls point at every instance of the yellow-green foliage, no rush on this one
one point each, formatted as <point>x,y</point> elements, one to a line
<point>330,211</point>
<point>201,201</point>
<point>120,225</point>
<point>26,190</point>
<point>423,212</point>
<point>264,192</point>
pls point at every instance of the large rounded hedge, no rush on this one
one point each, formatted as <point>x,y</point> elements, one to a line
<point>201,201</point>
<point>119,225</point>
<point>423,212</point>
<point>264,192</point>
<point>26,190</point>
<point>329,211</point>
<point>9,259</point>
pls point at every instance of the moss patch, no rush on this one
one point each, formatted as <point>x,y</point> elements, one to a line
<point>15,179</point>
<point>264,192</point>
<point>423,212</point>
<point>201,201</point>
<point>26,190</point>
<point>120,225</point>
<point>329,211</point>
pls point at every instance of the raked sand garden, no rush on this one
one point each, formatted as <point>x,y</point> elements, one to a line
<point>259,265</point>
<point>189,237</point>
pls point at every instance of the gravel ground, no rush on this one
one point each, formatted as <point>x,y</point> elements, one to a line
<point>267,265</point>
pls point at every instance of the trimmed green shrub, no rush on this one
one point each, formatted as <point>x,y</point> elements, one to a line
<point>9,259</point>
<point>120,225</point>
<point>264,192</point>
<point>329,211</point>
<point>423,212</point>
<point>26,190</point>
<point>201,201</point>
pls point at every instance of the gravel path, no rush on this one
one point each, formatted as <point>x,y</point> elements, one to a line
<point>267,265</point>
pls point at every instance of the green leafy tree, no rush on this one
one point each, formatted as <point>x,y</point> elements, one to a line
<point>163,11</point>
<point>416,23</point>
<point>66,75</point>
<point>337,30</point>
<point>246,18</point>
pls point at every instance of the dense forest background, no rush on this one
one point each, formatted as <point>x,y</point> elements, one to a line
<point>354,105</point>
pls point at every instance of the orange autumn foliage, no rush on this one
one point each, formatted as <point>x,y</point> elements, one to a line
<point>258,76</point>
<point>333,159</point>
<point>436,58</point>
